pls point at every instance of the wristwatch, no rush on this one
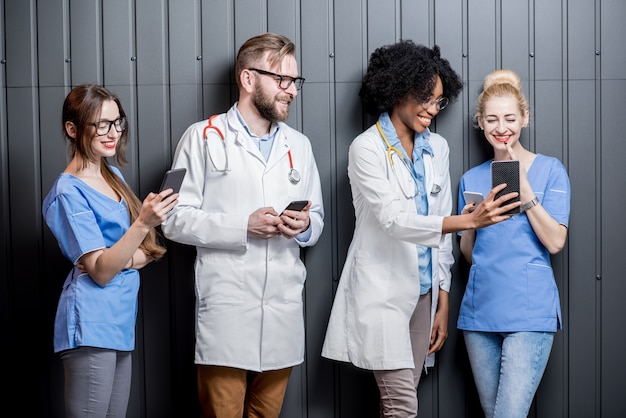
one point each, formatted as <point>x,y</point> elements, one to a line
<point>534,202</point>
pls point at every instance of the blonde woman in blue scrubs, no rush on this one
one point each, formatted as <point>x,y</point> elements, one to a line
<point>511,310</point>
<point>108,235</point>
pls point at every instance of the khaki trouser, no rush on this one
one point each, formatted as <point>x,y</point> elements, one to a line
<point>398,388</point>
<point>226,392</point>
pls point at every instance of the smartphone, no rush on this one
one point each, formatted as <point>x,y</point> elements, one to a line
<point>296,205</point>
<point>470,197</point>
<point>506,172</point>
<point>173,179</point>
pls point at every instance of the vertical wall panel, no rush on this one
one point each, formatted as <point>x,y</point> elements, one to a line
<point>4,191</point>
<point>613,194</point>
<point>218,49</point>
<point>515,29</point>
<point>483,31</point>
<point>548,38</point>
<point>613,93</point>
<point>382,27</point>
<point>118,40</point>
<point>613,32</point>
<point>185,67</point>
<point>86,41</point>
<point>317,125</point>
<point>52,42</point>
<point>251,19</point>
<point>582,236</point>
<point>350,55</point>
<point>581,39</point>
<point>416,19</point>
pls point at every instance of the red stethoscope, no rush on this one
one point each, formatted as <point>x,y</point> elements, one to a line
<point>293,176</point>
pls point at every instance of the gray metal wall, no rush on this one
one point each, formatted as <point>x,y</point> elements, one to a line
<point>171,64</point>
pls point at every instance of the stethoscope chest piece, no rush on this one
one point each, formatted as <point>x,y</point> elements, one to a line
<point>294,176</point>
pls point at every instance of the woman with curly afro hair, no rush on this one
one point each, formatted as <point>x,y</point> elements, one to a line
<point>390,313</point>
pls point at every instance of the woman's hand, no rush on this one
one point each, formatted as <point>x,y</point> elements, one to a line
<point>155,207</point>
<point>490,211</point>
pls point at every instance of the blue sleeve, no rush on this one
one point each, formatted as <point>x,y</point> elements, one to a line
<point>74,225</point>
<point>556,199</point>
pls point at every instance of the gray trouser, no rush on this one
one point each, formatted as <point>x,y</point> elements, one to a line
<point>97,382</point>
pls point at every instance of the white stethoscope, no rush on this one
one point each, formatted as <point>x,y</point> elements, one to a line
<point>391,151</point>
<point>293,175</point>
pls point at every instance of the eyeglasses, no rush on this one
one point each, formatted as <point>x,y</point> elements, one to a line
<point>103,127</point>
<point>441,103</point>
<point>284,81</point>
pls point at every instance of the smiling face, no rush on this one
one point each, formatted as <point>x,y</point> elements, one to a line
<point>412,115</point>
<point>502,121</point>
<point>105,145</point>
<point>271,101</point>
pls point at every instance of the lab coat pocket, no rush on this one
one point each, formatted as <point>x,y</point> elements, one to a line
<point>220,278</point>
<point>368,279</point>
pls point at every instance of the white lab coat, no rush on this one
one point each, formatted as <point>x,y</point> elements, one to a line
<point>248,291</point>
<point>379,285</point>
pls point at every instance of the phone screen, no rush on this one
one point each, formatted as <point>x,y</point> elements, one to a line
<point>296,205</point>
<point>472,197</point>
<point>506,171</point>
<point>173,179</point>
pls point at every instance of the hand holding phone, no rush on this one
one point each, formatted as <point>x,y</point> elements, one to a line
<point>173,179</point>
<point>506,171</point>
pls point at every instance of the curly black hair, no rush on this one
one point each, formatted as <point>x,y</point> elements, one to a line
<point>403,70</point>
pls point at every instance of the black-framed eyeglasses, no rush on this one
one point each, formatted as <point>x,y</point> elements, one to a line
<point>284,81</point>
<point>441,103</point>
<point>103,127</point>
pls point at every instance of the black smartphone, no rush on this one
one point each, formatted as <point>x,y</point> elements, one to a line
<point>506,171</point>
<point>173,179</point>
<point>296,205</point>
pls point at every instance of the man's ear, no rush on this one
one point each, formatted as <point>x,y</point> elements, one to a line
<point>246,78</point>
<point>71,130</point>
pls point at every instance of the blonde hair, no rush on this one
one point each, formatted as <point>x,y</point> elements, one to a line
<point>501,83</point>
<point>253,50</point>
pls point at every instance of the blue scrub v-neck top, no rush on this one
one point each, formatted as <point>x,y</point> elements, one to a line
<point>511,285</point>
<point>84,220</point>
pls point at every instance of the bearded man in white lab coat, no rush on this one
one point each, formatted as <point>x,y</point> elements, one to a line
<point>243,168</point>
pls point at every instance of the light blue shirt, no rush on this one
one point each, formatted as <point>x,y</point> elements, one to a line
<point>265,142</point>
<point>84,220</point>
<point>416,164</point>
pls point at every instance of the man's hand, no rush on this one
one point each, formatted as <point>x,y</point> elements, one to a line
<point>295,221</point>
<point>263,223</point>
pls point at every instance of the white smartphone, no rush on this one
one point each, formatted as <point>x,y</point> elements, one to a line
<point>476,197</point>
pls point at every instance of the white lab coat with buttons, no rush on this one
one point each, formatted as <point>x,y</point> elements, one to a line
<point>248,291</point>
<point>379,286</point>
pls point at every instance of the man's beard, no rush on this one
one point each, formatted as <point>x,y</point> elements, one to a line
<point>265,105</point>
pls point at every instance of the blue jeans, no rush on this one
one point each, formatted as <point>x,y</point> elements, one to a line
<point>507,369</point>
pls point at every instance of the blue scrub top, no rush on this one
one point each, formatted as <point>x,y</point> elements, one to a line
<point>83,220</point>
<point>511,284</point>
